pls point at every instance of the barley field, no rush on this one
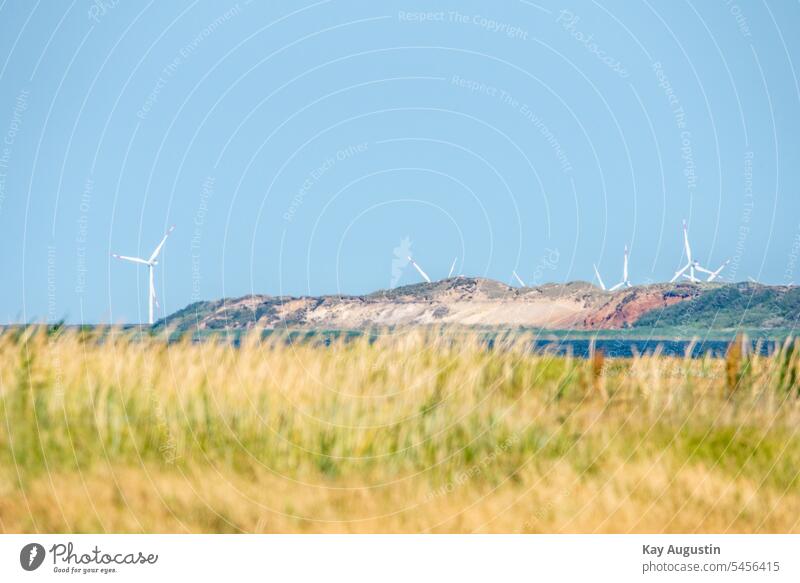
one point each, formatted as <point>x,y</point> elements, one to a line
<point>416,431</point>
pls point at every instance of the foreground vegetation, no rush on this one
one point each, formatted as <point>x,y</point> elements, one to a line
<point>416,431</point>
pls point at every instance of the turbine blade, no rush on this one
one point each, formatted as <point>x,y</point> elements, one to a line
<point>680,272</point>
<point>419,270</point>
<point>625,266</point>
<point>132,259</point>
<point>599,279</point>
<point>160,245</point>
<point>616,287</point>
<point>686,241</point>
<point>452,267</point>
<point>716,273</point>
<point>519,279</point>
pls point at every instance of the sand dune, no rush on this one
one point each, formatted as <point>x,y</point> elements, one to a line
<point>457,301</point>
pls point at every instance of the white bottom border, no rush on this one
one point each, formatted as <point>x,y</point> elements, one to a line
<point>405,558</point>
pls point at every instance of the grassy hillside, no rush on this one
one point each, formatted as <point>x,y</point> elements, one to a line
<point>695,309</point>
<point>732,306</point>
<point>187,319</point>
<point>414,432</point>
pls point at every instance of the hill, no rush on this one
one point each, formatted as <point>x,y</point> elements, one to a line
<point>742,305</point>
<point>475,301</point>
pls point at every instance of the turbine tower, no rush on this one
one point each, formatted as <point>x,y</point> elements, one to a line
<point>693,265</point>
<point>419,269</point>
<point>690,265</point>
<point>150,262</point>
<point>625,281</point>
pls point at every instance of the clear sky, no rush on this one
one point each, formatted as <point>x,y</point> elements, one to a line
<point>300,147</point>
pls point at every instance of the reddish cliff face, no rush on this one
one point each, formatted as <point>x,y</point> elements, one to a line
<point>626,307</point>
<point>455,301</point>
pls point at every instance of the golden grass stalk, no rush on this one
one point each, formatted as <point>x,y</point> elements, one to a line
<point>410,430</point>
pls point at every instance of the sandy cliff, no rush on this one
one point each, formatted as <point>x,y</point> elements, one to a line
<point>461,300</point>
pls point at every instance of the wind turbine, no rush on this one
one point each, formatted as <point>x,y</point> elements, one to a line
<point>599,279</point>
<point>625,281</point>
<point>519,279</point>
<point>691,265</point>
<point>419,269</point>
<point>150,262</point>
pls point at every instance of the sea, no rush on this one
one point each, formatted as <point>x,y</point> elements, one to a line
<point>584,347</point>
<point>625,348</point>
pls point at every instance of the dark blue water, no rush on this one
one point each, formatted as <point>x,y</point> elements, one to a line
<point>622,348</point>
<point>578,347</point>
<point>582,347</point>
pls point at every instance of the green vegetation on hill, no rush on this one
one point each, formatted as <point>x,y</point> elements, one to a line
<point>188,318</point>
<point>716,309</point>
<point>742,305</point>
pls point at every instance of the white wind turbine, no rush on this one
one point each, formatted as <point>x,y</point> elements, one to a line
<point>625,281</point>
<point>518,278</point>
<point>150,262</point>
<point>691,265</point>
<point>599,279</point>
<point>419,269</point>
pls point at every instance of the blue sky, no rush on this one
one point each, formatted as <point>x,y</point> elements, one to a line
<point>296,145</point>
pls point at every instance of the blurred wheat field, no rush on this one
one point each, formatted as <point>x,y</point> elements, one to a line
<point>418,431</point>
